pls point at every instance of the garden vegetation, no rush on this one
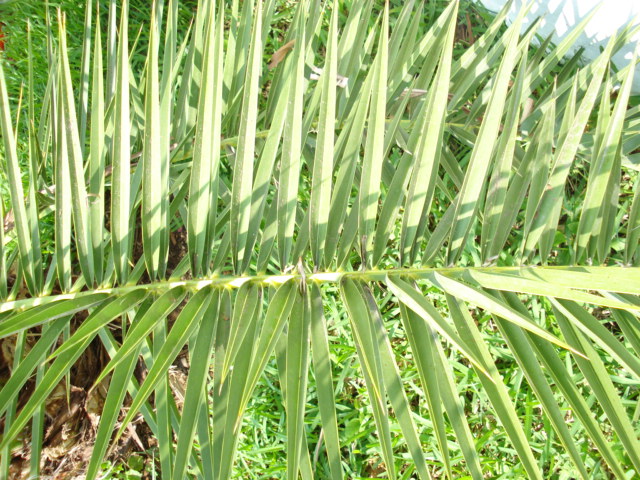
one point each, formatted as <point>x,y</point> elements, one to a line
<point>317,239</point>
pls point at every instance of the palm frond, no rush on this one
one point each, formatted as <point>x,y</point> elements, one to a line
<point>467,205</point>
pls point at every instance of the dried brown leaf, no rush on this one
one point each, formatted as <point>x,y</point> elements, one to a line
<point>280,54</point>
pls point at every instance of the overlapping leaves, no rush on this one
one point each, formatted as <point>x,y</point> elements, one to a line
<point>375,158</point>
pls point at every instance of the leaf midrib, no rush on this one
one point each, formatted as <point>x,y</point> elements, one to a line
<point>235,281</point>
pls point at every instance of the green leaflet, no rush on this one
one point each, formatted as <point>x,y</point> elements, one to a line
<point>243,176</point>
<point>373,154</point>
<point>291,161</point>
<point>120,156</point>
<point>323,161</point>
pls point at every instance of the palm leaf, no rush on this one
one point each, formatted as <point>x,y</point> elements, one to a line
<point>385,206</point>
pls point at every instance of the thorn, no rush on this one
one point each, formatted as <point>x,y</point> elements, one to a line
<point>363,252</point>
<point>303,277</point>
